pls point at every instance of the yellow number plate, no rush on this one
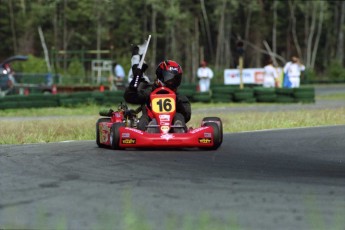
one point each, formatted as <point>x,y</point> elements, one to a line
<point>163,105</point>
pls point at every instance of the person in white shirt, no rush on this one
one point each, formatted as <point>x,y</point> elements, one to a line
<point>205,74</point>
<point>119,72</point>
<point>292,71</point>
<point>270,75</point>
<point>117,76</point>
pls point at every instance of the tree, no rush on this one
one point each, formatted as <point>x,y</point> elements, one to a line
<point>186,31</point>
<point>340,45</point>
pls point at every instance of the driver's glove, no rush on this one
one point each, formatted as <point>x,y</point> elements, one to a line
<point>137,76</point>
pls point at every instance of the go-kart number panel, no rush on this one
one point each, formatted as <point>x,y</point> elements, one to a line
<point>163,105</point>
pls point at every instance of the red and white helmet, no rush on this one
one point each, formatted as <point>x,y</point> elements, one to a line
<point>169,74</point>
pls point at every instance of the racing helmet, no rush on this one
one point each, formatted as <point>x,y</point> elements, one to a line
<point>169,74</point>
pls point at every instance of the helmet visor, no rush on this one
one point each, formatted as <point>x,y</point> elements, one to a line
<point>167,76</point>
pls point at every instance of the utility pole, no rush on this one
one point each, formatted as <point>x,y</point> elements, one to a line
<point>240,52</point>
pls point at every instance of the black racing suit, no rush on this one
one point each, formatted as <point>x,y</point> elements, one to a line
<point>141,96</point>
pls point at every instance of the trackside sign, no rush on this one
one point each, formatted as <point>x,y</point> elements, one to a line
<point>249,76</point>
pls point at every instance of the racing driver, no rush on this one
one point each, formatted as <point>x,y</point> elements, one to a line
<point>168,74</point>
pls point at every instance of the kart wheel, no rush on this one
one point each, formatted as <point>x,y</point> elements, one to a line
<point>115,135</point>
<point>179,120</point>
<point>97,131</point>
<point>218,121</point>
<point>216,135</point>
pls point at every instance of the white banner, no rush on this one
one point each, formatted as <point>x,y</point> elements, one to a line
<point>249,76</point>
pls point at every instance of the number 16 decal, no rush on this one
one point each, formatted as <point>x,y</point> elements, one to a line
<point>163,105</point>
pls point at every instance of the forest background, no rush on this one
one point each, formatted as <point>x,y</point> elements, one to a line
<point>187,31</point>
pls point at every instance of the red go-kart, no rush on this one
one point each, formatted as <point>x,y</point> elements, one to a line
<point>118,129</point>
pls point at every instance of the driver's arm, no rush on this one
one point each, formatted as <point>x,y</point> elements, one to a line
<point>137,96</point>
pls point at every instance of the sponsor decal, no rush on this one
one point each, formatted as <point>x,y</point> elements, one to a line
<point>249,75</point>
<point>165,118</point>
<point>167,136</point>
<point>205,140</point>
<point>103,133</point>
<point>198,129</point>
<point>125,135</point>
<point>128,141</point>
<point>104,127</point>
<point>165,129</point>
<point>207,135</point>
<point>165,123</point>
<point>135,130</point>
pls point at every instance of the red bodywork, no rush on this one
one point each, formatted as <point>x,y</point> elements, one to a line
<point>163,109</point>
<point>134,138</point>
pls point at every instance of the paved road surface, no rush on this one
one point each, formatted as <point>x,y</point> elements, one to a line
<point>281,179</point>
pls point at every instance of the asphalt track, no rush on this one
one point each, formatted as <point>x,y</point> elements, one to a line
<point>274,179</point>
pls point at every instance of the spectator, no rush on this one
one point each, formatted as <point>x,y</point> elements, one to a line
<point>270,75</point>
<point>292,73</point>
<point>49,79</point>
<point>118,75</point>
<point>9,81</point>
<point>205,74</point>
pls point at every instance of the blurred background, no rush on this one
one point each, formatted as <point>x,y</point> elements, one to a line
<point>68,38</point>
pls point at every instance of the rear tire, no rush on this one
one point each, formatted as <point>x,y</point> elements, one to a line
<point>217,141</point>
<point>218,121</point>
<point>115,135</point>
<point>98,142</point>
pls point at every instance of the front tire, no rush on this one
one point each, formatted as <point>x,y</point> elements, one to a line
<point>115,135</point>
<point>179,120</point>
<point>217,137</point>
<point>218,121</point>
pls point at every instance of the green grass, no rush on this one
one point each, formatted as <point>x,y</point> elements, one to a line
<point>54,111</point>
<point>93,110</point>
<point>336,96</point>
<point>248,121</point>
